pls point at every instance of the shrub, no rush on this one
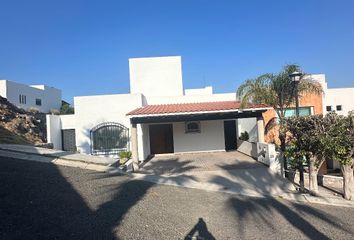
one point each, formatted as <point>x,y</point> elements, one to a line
<point>54,111</point>
<point>124,156</point>
<point>244,136</point>
<point>66,109</point>
<point>33,110</point>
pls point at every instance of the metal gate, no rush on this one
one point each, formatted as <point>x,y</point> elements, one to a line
<point>109,138</point>
<point>68,140</point>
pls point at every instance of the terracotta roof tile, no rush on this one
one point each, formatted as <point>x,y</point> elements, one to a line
<point>191,107</point>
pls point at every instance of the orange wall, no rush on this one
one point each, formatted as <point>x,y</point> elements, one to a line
<point>309,100</point>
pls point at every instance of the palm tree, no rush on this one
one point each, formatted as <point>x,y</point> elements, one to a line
<point>277,91</point>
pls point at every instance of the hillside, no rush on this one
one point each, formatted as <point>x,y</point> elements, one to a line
<point>18,126</point>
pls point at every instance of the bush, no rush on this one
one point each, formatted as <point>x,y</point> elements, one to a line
<point>66,109</point>
<point>54,111</point>
<point>124,156</point>
<point>33,110</point>
<point>244,136</point>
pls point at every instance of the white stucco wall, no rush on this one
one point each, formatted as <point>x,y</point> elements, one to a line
<point>199,91</point>
<point>68,121</point>
<point>143,141</point>
<point>50,97</point>
<point>339,96</point>
<point>191,98</point>
<point>54,130</point>
<point>211,137</point>
<point>3,88</point>
<point>249,125</point>
<point>156,76</point>
<point>93,110</point>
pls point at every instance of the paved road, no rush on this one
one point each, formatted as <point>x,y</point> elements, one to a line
<point>45,201</point>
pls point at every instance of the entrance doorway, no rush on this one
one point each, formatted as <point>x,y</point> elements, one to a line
<point>161,138</point>
<point>230,135</point>
<point>68,140</point>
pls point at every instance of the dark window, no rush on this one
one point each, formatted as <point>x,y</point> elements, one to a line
<point>109,138</point>
<point>328,108</point>
<point>192,127</point>
<point>38,102</point>
<point>339,107</point>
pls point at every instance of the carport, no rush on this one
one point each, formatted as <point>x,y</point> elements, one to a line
<point>192,127</point>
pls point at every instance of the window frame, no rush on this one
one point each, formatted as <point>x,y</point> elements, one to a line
<point>330,108</point>
<point>40,102</point>
<point>191,130</point>
<point>23,99</point>
<point>340,108</point>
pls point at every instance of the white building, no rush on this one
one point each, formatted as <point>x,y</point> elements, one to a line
<point>157,116</point>
<point>41,97</point>
<point>340,100</point>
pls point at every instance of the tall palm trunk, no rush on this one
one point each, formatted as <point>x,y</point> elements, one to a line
<point>348,181</point>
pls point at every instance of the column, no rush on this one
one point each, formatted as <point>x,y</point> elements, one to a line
<point>134,139</point>
<point>260,128</point>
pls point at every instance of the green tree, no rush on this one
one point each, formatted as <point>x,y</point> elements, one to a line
<point>340,147</point>
<point>308,142</point>
<point>66,109</point>
<point>277,91</point>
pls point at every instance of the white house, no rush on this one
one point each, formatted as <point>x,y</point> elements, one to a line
<point>157,116</point>
<point>340,100</point>
<point>41,97</point>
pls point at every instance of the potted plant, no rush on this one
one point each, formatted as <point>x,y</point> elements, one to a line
<point>124,156</point>
<point>244,136</point>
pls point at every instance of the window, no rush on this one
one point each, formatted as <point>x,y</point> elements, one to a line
<point>38,102</point>
<point>109,138</point>
<point>303,111</point>
<point>22,99</point>
<point>328,108</point>
<point>339,107</point>
<point>192,127</point>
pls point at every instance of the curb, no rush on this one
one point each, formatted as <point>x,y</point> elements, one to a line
<point>59,161</point>
<point>50,156</point>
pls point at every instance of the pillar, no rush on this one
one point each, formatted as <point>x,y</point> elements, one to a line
<point>260,129</point>
<point>134,140</point>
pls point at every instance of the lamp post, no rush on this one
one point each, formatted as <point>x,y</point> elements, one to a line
<point>295,78</point>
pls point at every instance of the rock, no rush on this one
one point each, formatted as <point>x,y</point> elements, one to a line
<point>29,126</point>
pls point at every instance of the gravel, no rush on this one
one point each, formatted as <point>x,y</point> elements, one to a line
<point>45,201</point>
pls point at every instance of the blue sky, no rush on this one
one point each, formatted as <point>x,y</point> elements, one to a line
<point>82,47</point>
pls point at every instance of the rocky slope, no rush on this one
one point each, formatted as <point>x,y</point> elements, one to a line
<point>19,126</point>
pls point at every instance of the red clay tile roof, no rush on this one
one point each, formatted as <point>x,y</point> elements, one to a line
<point>191,107</point>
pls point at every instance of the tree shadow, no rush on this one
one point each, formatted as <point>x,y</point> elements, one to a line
<point>200,232</point>
<point>262,210</point>
<point>245,180</point>
<point>166,165</point>
<point>37,200</point>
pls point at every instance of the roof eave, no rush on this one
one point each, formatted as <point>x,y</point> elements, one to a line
<point>198,112</point>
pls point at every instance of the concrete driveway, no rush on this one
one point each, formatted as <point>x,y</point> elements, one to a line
<point>232,172</point>
<point>198,162</point>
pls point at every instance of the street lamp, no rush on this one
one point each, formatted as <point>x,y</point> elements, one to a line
<point>295,78</point>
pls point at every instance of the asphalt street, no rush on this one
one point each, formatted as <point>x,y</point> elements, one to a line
<point>46,201</point>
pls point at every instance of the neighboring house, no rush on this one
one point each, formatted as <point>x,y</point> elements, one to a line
<point>157,116</point>
<point>340,100</point>
<point>41,97</point>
